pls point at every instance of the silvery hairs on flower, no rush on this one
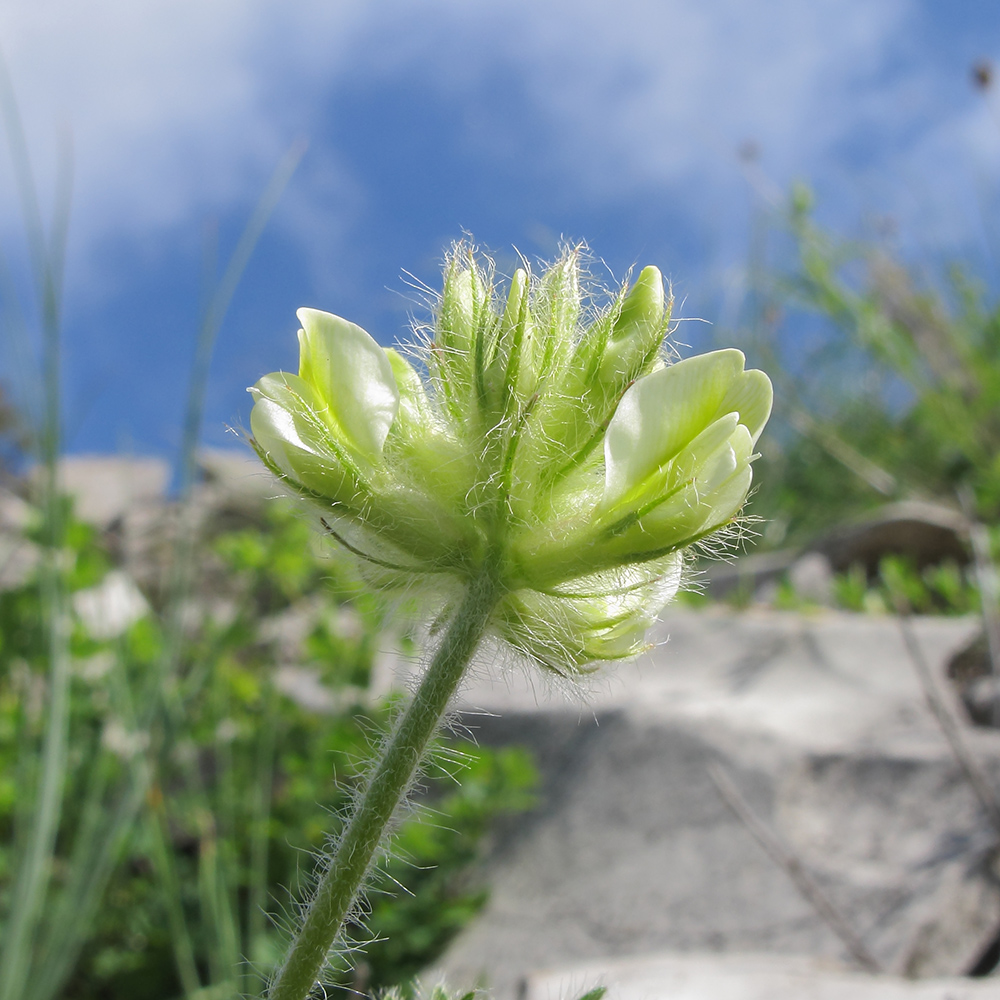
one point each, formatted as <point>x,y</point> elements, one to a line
<point>532,430</point>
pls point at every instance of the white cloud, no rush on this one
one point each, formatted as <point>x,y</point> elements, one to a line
<point>179,107</point>
<point>662,90</point>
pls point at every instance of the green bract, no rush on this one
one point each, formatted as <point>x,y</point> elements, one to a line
<point>532,430</point>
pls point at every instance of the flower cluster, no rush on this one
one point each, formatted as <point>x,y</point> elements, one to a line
<point>531,434</point>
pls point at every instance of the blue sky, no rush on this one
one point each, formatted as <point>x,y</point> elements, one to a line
<point>521,123</point>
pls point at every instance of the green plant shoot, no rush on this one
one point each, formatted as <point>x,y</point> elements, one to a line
<point>536,472</point>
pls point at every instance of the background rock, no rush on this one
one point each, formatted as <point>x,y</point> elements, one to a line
<point>811,577</point>
<point>927,532</point>
<point>820,721</point>
<point>107,488</point>
<point>971,671</point>
<point>18,555</point>
<point>742,977</point>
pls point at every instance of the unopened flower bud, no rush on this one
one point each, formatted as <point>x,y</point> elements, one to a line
<point>639,329</point>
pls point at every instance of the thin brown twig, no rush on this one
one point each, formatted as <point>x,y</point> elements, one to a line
<point>864,468</point>
<point>974,773</point>
<point>785,858</point>
<point>989,590</point>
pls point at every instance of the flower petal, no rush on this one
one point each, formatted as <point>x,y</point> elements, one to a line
<point>751,396</point>
<point>291,435</point>
<point>691,462</point>
<point>660,414</point>
<point>352,377</point>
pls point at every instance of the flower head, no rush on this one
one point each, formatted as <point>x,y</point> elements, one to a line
<point>531,432</point>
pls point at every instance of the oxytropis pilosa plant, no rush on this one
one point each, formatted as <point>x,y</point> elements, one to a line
<point>537,471</point>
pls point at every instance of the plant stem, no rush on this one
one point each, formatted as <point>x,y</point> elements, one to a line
<point>392,776</point>
<point>34,867</point>
<point>166,871</point>
<point>260,814</point>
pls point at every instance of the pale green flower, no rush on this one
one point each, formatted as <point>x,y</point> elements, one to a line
<point>539,470</point>
<point>534,431</point>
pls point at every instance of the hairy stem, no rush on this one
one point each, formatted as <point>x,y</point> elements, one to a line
<point>391,778</point>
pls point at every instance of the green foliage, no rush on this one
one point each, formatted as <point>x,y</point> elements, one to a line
<point>104,783</point>
<point>943,589</point>
<point>805,489</point>
<point>903,404</point>
<point>238,781</point>
<point>850,589</point>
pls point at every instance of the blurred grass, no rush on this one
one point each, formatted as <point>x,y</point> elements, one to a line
<point>242,785</point>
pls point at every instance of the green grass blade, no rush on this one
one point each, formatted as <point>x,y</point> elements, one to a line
<point>100,848</point>
<point>35,868</point>
<point>218,305</point>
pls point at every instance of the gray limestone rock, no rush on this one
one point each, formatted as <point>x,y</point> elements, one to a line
<point>234,488</point>
<point>742,977</point>
<point>106,488</point>
<point>18,555</point>
<point>811,577</point>
<point>927,532</point>
<point>820,721</point>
